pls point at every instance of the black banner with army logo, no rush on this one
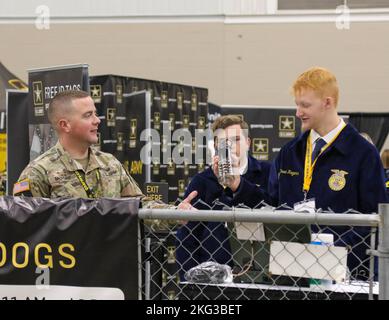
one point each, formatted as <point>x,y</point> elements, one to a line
<point>137,108</point>
<point>270,128</point>
<point>107,94</point>
<point>68,249</point>
<point>172,107</point>
<point>44,84</point>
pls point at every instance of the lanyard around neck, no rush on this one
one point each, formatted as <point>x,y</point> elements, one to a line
<point>309,166</point>
<point>81,177</point>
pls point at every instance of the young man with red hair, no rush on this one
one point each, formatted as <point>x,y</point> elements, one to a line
<point>329,162</point>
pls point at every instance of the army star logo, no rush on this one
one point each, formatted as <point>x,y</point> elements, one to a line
<point>171,168</point>
<point>261,148</point>
<point>133,133</point>
<point>133,128</point>
<point>260,145</point>
<point>155,168</point>
<point>171,254</point>
<point>171,121</point>
<point>95,90</point>
<point>38,93</point>
<point>157,120</point>
<point>180,100</point>
<point>286,124</point>
<point>185,121</point>
<point>194,102</point>
<point>120,141</point>
<point>119,93</point>
<point>201,123</point>
<point>181,188</point>
<point>186,169</point>
<point>111,117</point>
<point>337,181</point>
<point>164,99</point>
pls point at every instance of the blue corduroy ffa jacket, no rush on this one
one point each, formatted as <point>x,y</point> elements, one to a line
<point>199,242</point>
<point>362,187</point>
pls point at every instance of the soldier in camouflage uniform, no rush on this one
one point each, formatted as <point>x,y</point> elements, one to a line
<point>73,168</point>
<point>54,174</point>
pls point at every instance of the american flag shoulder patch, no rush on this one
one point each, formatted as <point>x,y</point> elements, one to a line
<point>21,186</point>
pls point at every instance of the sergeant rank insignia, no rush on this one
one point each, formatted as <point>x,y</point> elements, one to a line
<point>338,180</point>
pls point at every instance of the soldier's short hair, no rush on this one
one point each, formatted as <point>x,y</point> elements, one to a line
<point>61,104</point>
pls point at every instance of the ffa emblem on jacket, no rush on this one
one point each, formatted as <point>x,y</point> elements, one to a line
<point>337,181</point>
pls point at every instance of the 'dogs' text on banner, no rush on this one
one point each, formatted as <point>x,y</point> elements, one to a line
<point>68,249</point>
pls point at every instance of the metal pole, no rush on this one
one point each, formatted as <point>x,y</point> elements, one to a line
<point>383,252</point>
<point>372,262</point>
<point>139,263</point>
<point>264,216</point>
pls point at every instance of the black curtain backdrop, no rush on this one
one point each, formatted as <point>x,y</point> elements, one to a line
<point>376,125</point>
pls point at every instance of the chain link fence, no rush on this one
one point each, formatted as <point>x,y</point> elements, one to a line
<point>264,253</point>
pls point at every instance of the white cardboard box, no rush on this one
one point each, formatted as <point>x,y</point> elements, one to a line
<point>308,260</point>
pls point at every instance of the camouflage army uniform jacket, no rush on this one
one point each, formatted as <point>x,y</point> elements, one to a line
<point>54,175</point>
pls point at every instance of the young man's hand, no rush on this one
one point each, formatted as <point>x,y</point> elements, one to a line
<point>185,204</point>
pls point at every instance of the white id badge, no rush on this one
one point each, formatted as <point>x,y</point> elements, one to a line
<point>308,206</point>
